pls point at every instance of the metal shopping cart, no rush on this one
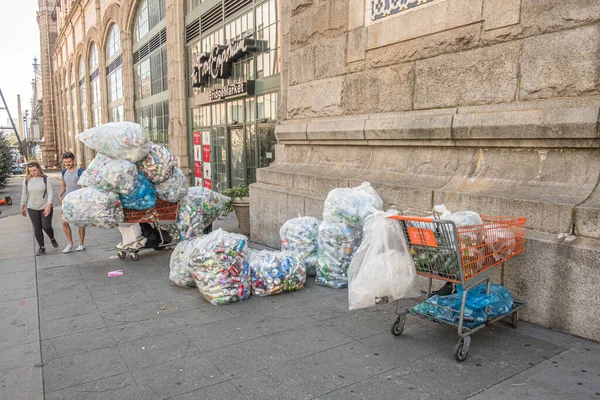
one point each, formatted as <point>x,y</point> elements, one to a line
<point>461,255</point>
<point>163,214</point>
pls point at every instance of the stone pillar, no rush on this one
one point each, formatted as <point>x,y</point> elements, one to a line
<point>127,54</point>
<point>178,136</point>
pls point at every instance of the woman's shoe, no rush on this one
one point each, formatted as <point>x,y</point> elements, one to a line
<point>54,243</point>
<point>41,251</point>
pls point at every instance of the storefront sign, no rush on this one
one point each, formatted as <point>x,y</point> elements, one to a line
<point>208,184</point>
<point>232,90</point>
<point>197,169</point>
<point>196,137</point>
<point>206,153</point>
<point>217,63</point>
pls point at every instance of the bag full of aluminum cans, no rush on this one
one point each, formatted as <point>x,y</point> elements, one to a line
<point>219,267</point>
<point>93,207</point>
<point>110,174</point>
<point>352,205</point>
<point>174,188</point>
<point>301,235</point>
<point>179,265</point>
<point>198,209</point>
<point>340,233</point>
<point>159,164</point>
<point>275,272</point>
<point>143,196</point>
<point>125,140</point>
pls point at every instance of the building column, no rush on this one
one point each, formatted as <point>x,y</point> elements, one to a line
<point>178,135</point>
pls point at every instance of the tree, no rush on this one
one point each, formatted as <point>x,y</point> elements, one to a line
<point>5,161</point>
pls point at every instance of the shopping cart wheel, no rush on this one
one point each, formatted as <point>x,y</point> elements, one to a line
<point>398,325</point>
<point>121,254</point>
<point>461,349</point>
<point>515,319</point>
<point>134,256</point>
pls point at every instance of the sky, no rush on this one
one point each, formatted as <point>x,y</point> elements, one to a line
<point>19,43</point>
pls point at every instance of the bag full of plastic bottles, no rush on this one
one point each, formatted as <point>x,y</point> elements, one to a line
<point>174,188</point>
<point>219,267</point>
<point>180,272</point>
<point>143,196</point>
<point>337,244</point>
<point>382,267</point>
<point>352,205</point>
<point>110,174</point>
<point>125,140</point>
<point>301,235</point>
<point>275,272</point>
<point>198,209</point>
<point>92,207</point>
<point>159,164</point>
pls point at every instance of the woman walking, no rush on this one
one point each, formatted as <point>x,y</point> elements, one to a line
<point>37,196</point>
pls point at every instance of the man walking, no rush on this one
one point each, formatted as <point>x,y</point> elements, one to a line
<point>70,176</point>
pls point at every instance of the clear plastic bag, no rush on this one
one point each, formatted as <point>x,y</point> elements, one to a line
<point>93,207</point>
<point>143,196</point>
<point>125,140</point>
<point>173,188</point>
<point>180,272</point>
<point>352,205</point>
<point>275,272</point>
<point>197,210</point>
<point>110,174</point>
<point>337,244</point>
<point>219,267</point>
<point>465,218</point>
<point>301,235</point>
<point>159,164</point>
<point>382,266</point>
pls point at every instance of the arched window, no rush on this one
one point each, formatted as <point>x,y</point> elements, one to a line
<point>82,94</point>
<point>150,69</point>
<point>114,75</point>
<point>74,100</point>
<point>67,113</point>
<point>95,86</point>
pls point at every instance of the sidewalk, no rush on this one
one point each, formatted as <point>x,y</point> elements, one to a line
<point>69,332</point>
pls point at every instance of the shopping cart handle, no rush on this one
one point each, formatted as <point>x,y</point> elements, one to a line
<point>408,218</point>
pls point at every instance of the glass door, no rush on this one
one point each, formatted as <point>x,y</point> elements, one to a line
<point>267,140</point>
<point>238,165</point>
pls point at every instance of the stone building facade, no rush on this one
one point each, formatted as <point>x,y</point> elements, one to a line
<point>479,104</point>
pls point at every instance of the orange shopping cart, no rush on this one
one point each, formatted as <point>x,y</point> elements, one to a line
<point>463,255</point>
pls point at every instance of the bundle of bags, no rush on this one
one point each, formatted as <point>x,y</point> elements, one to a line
<point>129,165</point>
<point>340,233</point>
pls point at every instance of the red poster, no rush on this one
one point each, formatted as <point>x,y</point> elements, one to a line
<point>206,153</point>
<point>197,139</point>
<point>208,183</point>
<point>197,169</point>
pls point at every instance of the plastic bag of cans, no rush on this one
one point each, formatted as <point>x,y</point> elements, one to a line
<point>110,174</point>
<point>143,197</point>
<point>352,205</point>
<point>179,265</point>
<point>197,210</point>
<point>219,267</point>
<point>159,164</point>
<point>301,235</point>
<point>337,244</point>
<point>173,188</point>
<point>92,207</point>
<point>125,140</point>
<point>275,272</point>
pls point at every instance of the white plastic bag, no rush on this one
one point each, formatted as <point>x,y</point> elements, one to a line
<point>174,188</point>
<point>351,205</point>
<point>301,235</point>
<point>110,174</point>
<point>159,164</point>
<point>93,207</point>
<point>465,218</point>
<point>382,266</point>
<point>126,140</point>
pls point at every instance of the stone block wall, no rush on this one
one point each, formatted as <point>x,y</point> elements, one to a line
<point>480,104</point>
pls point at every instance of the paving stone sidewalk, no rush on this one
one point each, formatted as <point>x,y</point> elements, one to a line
<point>69,332</point>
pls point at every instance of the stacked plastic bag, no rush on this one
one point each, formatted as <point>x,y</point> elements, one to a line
<point>219,267</point>
<point>340,233</point>
<point>142,197</point>
<point>197,210</point>
<point>301,236</point>
<point>275,272</point>
<point>159,164</point>
<point>124,140</point>
<point>382,267</point>
<point>92,207</point>
<point>499,302</point>
<point>180,272</point>
<point>110,174</point>
<point>174,188</point>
